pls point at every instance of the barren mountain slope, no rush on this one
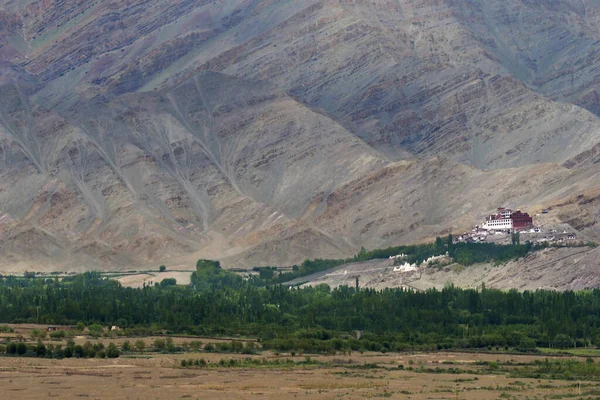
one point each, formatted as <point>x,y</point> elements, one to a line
<point>412,76</point>
<point>269,131</point>
<point>421,76</point>
<point>551,45</point>
<point>161,174</point>
<point>414,200</point>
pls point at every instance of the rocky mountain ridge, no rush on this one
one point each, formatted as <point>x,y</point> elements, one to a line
<point>269,131</point>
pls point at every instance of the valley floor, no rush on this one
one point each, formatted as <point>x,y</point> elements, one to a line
<point>150,374</point>
<point>354,376</point>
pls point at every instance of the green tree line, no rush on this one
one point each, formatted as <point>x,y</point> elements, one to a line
<point>312,319</point>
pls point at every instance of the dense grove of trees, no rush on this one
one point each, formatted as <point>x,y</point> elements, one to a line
<point>210,275</point>
<point>312,319</point>
<point>87,350</point>
<point>462,253</point>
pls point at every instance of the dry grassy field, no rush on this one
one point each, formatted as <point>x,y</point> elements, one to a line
<point>151,375</point>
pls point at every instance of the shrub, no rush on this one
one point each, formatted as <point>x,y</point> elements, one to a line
<point>79,351</point>
<point>196,345</point>
<point>21,348</point>
<point>58,334</point>
<point>251,347</point>
<point>40,349</point>
<point>98,346</point>
<point>68,352</point>
<point>563,341</point>
<point>223,347</point>
<point>38,334</point>
<point>168,282</point>
<point>169,344</point>
<point>527,344</point>
<point>160,344</point>
<point>237,346</point>
<point>140,345</point>
<point>96,330</point>
<point>112,351</point>
<point>11,348</point>
<point>6,329</point>
<point>209,347</point>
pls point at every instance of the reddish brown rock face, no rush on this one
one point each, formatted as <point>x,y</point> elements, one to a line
<point>270,131</point>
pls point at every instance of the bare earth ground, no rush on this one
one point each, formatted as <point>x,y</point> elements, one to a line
<point>158,376</point>
<point>138,280</point>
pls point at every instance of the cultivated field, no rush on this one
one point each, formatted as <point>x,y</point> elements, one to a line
<point>152,375</point>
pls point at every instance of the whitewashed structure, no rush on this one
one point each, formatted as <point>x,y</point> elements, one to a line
<point>498,224</point>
